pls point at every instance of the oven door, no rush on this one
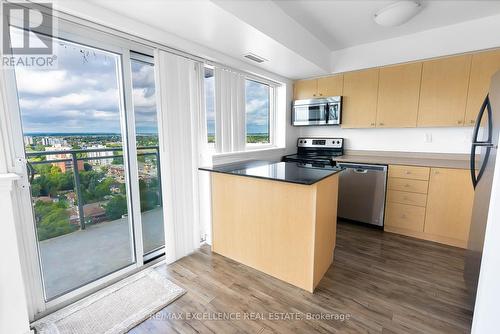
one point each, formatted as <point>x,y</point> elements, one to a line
<point>310,114</point>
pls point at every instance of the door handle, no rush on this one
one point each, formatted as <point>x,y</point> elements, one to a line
<point>475,143</point>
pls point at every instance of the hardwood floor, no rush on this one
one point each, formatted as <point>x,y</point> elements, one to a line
<point>379,283</point>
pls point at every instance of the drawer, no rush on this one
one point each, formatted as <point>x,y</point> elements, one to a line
<point>414,186</point>
<point>409,217</point>
<point>404,197</point>
<point>409,172</point>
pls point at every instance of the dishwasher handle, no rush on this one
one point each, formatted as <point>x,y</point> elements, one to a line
<point>360,171</point>
<point>362,168</point>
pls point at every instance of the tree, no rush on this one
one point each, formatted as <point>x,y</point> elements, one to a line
<point>116,207</point>
<point>36,190</point>
<point>87,167</point>
<point>52,219</point>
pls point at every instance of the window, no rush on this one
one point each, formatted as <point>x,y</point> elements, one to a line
<point>258,112</point>
<point>210,104</point>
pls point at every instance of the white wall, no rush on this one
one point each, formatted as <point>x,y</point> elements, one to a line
<point>443,140</point>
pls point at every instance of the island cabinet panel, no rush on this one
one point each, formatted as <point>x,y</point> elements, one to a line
<point>359,104</point>
<point>325,232</point>
<point>443,93</point>
<point>398,95</point>
<point>331,85</point>
<point>284,229</point>
<point>484,65</point>
<point>305,89</point>
<point>449,205</point>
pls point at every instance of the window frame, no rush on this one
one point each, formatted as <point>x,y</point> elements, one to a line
<point>272,115</point>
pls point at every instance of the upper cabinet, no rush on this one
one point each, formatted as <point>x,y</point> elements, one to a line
<point>398,95</point>
<point>484,65</point>
<point>446,91</point>
<point>443,93</point>
<point>317,88</point>
<point>305,89</point>
<point>331,86</point>
<point>359,101</point>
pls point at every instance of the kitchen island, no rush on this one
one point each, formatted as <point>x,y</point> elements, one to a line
<point>277,217</point>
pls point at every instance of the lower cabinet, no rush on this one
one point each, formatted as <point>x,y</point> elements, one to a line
<point>449,205</point>
<point>439,209</point>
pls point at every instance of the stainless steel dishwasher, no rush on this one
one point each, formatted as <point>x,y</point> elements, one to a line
<point>362,193</point>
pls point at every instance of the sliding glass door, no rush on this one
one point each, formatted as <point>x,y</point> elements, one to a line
<point>87,129</point>
<point>148,154</point>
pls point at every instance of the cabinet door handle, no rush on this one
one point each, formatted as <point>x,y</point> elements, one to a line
<point>320,94</point>
<point>314,94</point>
<point>372,124</point>
<point>381,124</point>
<point>472,121</point>
<point>459,122</point>
<point>407,185</point>
<point>408,172</point>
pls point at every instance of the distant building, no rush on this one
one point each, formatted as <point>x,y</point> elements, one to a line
<point>100,154</point>
<point>63,165</point>
<point>28,140</point>
<point>51,141</point>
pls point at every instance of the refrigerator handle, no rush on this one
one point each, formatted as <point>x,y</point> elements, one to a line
<point>475,143</point>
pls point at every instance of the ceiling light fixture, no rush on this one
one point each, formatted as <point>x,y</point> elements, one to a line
<point>397,13</point>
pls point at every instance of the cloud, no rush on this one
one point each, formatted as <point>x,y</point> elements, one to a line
<point>82,93</point>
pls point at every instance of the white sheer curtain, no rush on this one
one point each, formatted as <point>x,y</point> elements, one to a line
<point>229,111</point>
<point>180,101</point>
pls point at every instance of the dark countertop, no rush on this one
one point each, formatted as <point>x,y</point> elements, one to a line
<point>278,171</point>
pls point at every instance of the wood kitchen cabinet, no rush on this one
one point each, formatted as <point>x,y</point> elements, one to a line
<point>449,205</point>
<point>317,88</point>
<point>331,86</point>
<point>398,95</point>
<point>305,89</point>
<point>484,65</point>
<point>443,92</point>
<point>359,104</point>
<point>429,203</point>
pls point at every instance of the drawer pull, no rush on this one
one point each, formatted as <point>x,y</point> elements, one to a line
<point>407,185</point>
<point>407,172</point>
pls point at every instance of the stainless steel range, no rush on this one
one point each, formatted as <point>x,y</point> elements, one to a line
<point>362,187</point>
<point>317,152</point>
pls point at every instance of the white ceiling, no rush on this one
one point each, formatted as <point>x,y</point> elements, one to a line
<point>344,23</point>
<point>296,36</point>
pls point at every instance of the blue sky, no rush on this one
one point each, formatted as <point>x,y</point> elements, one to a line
<point>81,95</point>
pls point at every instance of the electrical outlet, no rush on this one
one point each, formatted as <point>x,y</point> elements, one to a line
<point>428,138</point>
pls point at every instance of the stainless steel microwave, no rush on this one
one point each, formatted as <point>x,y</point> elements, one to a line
<point>324,111</point>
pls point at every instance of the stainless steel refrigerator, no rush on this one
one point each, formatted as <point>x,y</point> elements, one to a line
<point>482,166</point>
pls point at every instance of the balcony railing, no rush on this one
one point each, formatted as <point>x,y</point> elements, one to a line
<point>75,158</point>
